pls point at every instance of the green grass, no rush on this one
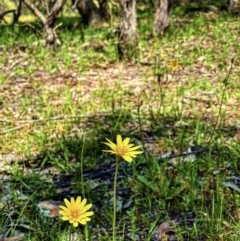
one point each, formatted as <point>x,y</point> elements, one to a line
<point>57,108</point>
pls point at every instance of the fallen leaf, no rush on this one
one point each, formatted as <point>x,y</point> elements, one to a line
<point>161,234</point>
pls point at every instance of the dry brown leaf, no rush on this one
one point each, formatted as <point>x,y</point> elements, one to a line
<point>161,234</point>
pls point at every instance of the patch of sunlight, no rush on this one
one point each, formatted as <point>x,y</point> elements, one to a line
<point>8,19</point>
<point>27,18</point>
<point>9,4</point>
<point>5,6</point>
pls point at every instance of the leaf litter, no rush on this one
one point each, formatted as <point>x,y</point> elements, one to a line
<point>128,82</point>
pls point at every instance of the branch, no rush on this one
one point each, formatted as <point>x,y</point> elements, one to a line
<point>57,7</point>
<point>57,118</point>
<point>5,13</point>
<point>35,10</point>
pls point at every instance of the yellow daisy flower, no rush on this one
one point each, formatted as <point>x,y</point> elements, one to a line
<point>123,148</point>
<point>76,211</point>
<point>173,65</point>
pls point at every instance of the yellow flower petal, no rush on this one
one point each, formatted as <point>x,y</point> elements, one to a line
<point>112,152</point>
<point>134,148</point>
<point>126,142</point>
<point>119,140</point>
<point>78,201</point>
<point>87,207</point>
<point>127,158</point>
<point>87,214</point>
<point>67,203</point>
<point>123,148</point>
<point>75,224</point>
<point>75,211</point>
<point>110,144</point>
<point>84,201</point>
<point>64,208</point>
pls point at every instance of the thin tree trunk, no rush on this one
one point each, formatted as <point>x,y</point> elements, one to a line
<point>17,12</point>
<point>161,19</point>
<point>52,38</point>
<point>233,6</point>
<point>56,8</point>
<point>35,11</point>
<point>104,10</point>
<point>48,22</point>
<point>127,42</point>
<point>88,11</point>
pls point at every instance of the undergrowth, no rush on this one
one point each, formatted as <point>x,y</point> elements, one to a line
<point>179,101</point>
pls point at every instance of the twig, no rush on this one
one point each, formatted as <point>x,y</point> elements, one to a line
<point>24,122</point>
<point>36,11</point>
<point>57,118</point>
<point>2,15</point>
<point>12,129</point>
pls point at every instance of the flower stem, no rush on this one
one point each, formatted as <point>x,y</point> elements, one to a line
<point>86,232</point>
<point>70,234</point>
<point>115,201</point>
<point>81,167</point>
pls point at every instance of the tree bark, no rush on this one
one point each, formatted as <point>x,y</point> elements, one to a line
<point>127,39</point>
<point>90,13</point>
<point>48,22</point>
<point>56,8</point>
<point>233,6</point>
<point>17,12</point>
<point>104,10</point>
<point>161,19</point>
<point>52,38</point>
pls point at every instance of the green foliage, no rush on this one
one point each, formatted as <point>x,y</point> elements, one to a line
<point>56,109</point>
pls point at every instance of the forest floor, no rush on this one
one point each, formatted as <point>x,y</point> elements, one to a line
<point>182,93</point>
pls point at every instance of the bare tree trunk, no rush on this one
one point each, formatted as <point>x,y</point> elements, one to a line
<point>88,10</point>
<point>52,38</point>
<point>104,10</point>
<point>17,12</point>
<point>233,6</point>
<point>55,10</point>
<point>48,22</point>
<point>161,19</point>
<point>127,44</point>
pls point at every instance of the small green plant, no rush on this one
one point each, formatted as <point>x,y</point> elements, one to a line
<point>127,151</point>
